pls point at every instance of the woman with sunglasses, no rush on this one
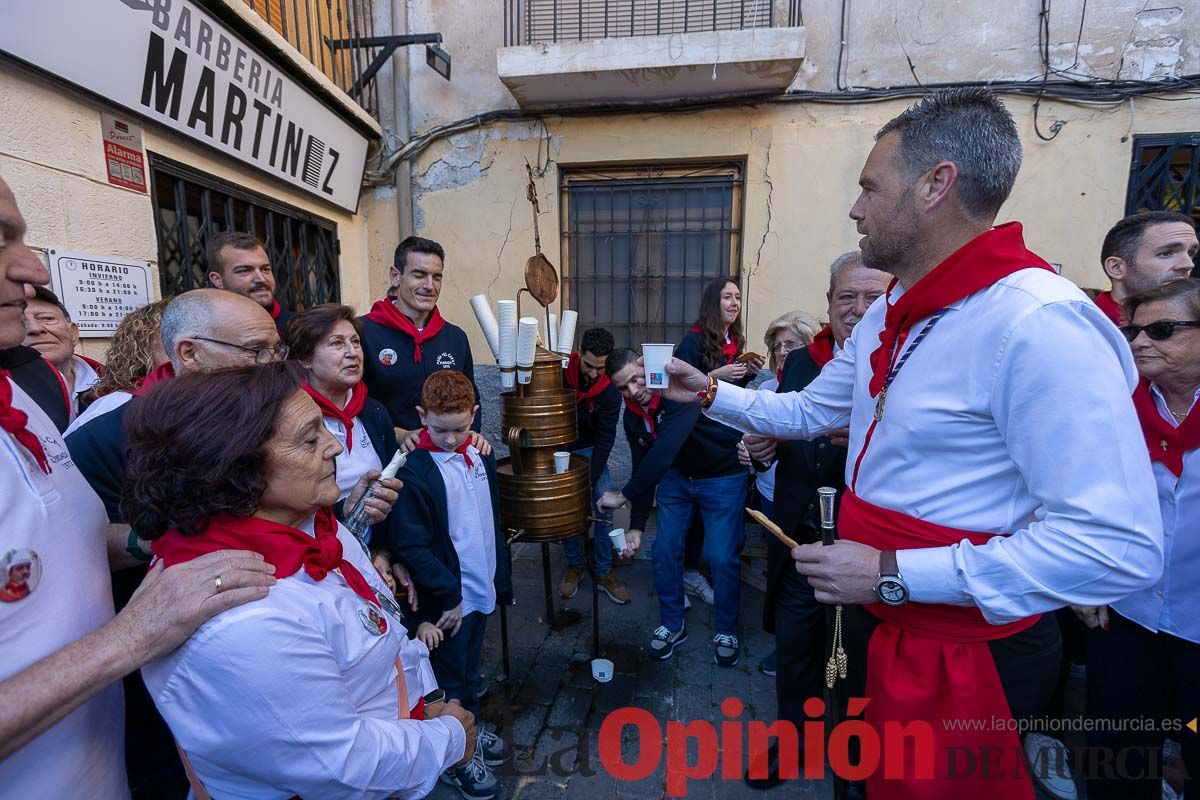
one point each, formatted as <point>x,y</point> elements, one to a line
<point>1144,650</point>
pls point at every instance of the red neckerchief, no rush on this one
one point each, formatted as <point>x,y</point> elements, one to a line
<point>274,309</point>
<point>931,662</point>
<point>15,421</point>
<point>975,266</point>
<point>636,408</point>
<point>358,399</point>
<point>386,314</point>
<point>729,349</point>
<point>1166,444</point>
<point>821,348</point>
<point>162,372</point>
<point>93,363</point>
<point>287,548</point>
<point>574,378</point>
<point>424,442</point>
<point>1111,308</point>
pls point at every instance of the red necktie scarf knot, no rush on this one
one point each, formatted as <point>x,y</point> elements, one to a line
<point>385,313</point>
<point>424,442</point>
<point>358,400</point>
<point>1165,443</point>
<point>574,377</point>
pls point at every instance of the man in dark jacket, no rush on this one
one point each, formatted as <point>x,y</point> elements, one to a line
<point>597,408</point>
<point>805,466</point>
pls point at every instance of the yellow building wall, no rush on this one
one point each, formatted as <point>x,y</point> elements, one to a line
<point>51,154</point>
<point>801,166</point>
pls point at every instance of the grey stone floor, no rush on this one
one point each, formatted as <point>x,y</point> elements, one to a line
<point>550,709</point>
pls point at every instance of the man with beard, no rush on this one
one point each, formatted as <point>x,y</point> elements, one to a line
<point>804,467</point>
<point>1143,251</point>
<point>237,262</point>
<point>979,493</point>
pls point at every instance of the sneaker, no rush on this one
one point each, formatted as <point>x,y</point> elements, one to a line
<point>569,585</point>
<point>767,665</point>
<point>473,780</point>
<point>1050,763</point>
<point>727,652</point>
<point>490,747</point>
<point>664,642</point>
<point>696,585</point>
<point>615,590</point>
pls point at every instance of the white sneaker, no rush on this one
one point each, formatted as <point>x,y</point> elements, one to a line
<point>1050,764</point>
<point>695,584</point>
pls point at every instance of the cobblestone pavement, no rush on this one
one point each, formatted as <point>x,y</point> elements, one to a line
<point>550,709</point>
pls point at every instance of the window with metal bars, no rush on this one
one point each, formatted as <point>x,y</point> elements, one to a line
<point>1165,176</point>
<point>190,206</point>
<point>639,244</point>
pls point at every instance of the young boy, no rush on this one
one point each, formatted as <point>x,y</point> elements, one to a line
<point>445,529</point>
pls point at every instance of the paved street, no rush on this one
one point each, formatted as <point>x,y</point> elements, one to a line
<point>550,709</point>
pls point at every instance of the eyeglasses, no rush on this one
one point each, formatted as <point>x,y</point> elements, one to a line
<point>1157,331</point>
<point>786,346</point>
<point>262,355</point>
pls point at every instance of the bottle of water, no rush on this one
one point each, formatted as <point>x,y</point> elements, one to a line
<point>357,521</point>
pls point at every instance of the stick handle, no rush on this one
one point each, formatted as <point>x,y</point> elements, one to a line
<point>828,497</point>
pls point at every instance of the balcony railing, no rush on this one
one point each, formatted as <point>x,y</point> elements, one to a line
<point>539,21</point>
<point>309,24</point>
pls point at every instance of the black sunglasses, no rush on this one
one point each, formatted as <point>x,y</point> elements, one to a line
<point>1157,331</point>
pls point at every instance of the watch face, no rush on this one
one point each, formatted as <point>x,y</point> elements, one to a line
<point>892,592</point>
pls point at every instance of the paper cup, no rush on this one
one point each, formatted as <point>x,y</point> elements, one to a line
<point>487,322</point>
<point>566,331</point>
<point>618,539</point>
<point>602,669</point>
<point>562,461</point>
<point>655,357</point>
<point>527,335</point>
<point>506,311</point>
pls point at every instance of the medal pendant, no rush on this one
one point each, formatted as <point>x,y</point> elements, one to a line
<point>372,620</point>
<point>880,402</point>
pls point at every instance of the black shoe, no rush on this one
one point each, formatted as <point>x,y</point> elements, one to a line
<point>725,650</point>
<point>664,642</point>
<point>772,778</point>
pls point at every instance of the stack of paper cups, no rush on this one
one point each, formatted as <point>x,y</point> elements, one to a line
<point>527,335</point>
<point>566,332</point>
<point>506,310</point>
<point>552,322</point>
<point>487,322</point>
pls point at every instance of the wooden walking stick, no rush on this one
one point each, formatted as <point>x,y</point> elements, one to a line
<point>836,666</point>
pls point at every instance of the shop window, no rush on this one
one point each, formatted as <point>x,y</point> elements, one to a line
<point>638,245</point>
<point>190,206</point>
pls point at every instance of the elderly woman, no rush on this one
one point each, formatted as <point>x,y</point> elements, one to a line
<point>314,691</point>
<point>1143,657</point>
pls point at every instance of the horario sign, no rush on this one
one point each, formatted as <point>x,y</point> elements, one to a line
<point>171,62</point>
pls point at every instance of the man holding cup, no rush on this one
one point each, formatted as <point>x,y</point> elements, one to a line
<point>598,406</point>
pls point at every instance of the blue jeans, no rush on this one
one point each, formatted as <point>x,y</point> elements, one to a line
<point>719,502</point>
<point>602,547</point>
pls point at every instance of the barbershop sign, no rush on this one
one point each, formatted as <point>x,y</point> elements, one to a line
<point>171,62</point>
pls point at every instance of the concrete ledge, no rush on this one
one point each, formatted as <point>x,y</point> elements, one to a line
<point>653,68</point>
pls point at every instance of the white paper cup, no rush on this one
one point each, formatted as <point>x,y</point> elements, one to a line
<point>618,539</point>
<point>602,669</point>
<point>562,461</point>
<point>655,357</point>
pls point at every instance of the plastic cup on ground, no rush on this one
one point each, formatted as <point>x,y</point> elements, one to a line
<point>602,669</point>
<point>655,357</point>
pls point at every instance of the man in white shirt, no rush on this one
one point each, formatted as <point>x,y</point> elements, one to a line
<point>61,648</point>
<point>995,466</point>
<point>50,331</point>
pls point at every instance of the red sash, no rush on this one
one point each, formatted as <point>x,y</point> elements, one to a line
<point>424,442</point>
<point>358,399</point>
<point>1166,444</point>
<point>821,349</point>
<point>575,380</point>
<point>386,314</point>
<point>932,663</point>
<point>1111,308</point>
<point>15,421</point>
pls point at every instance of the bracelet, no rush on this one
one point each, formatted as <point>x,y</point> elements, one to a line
<point>134,549</point>
<point>709,394</point>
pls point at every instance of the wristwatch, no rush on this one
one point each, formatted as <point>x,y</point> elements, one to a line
<point>890,587</point>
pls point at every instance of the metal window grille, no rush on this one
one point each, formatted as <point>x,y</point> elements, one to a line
<point>309,24</point>
<point>190,206</point>
<point>536,21</point>
<point>639,245</point>
<point>1165,176</point>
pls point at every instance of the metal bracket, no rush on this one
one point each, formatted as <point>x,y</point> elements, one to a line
<point>389,45</point>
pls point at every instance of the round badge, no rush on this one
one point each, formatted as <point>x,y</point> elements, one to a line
<point>387,356</point>
<point>372,620</point>
<point>20,573</point>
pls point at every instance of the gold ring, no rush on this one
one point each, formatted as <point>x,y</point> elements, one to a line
<point>217,583</point>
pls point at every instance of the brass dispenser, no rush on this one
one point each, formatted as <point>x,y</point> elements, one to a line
<point>538,418</point>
